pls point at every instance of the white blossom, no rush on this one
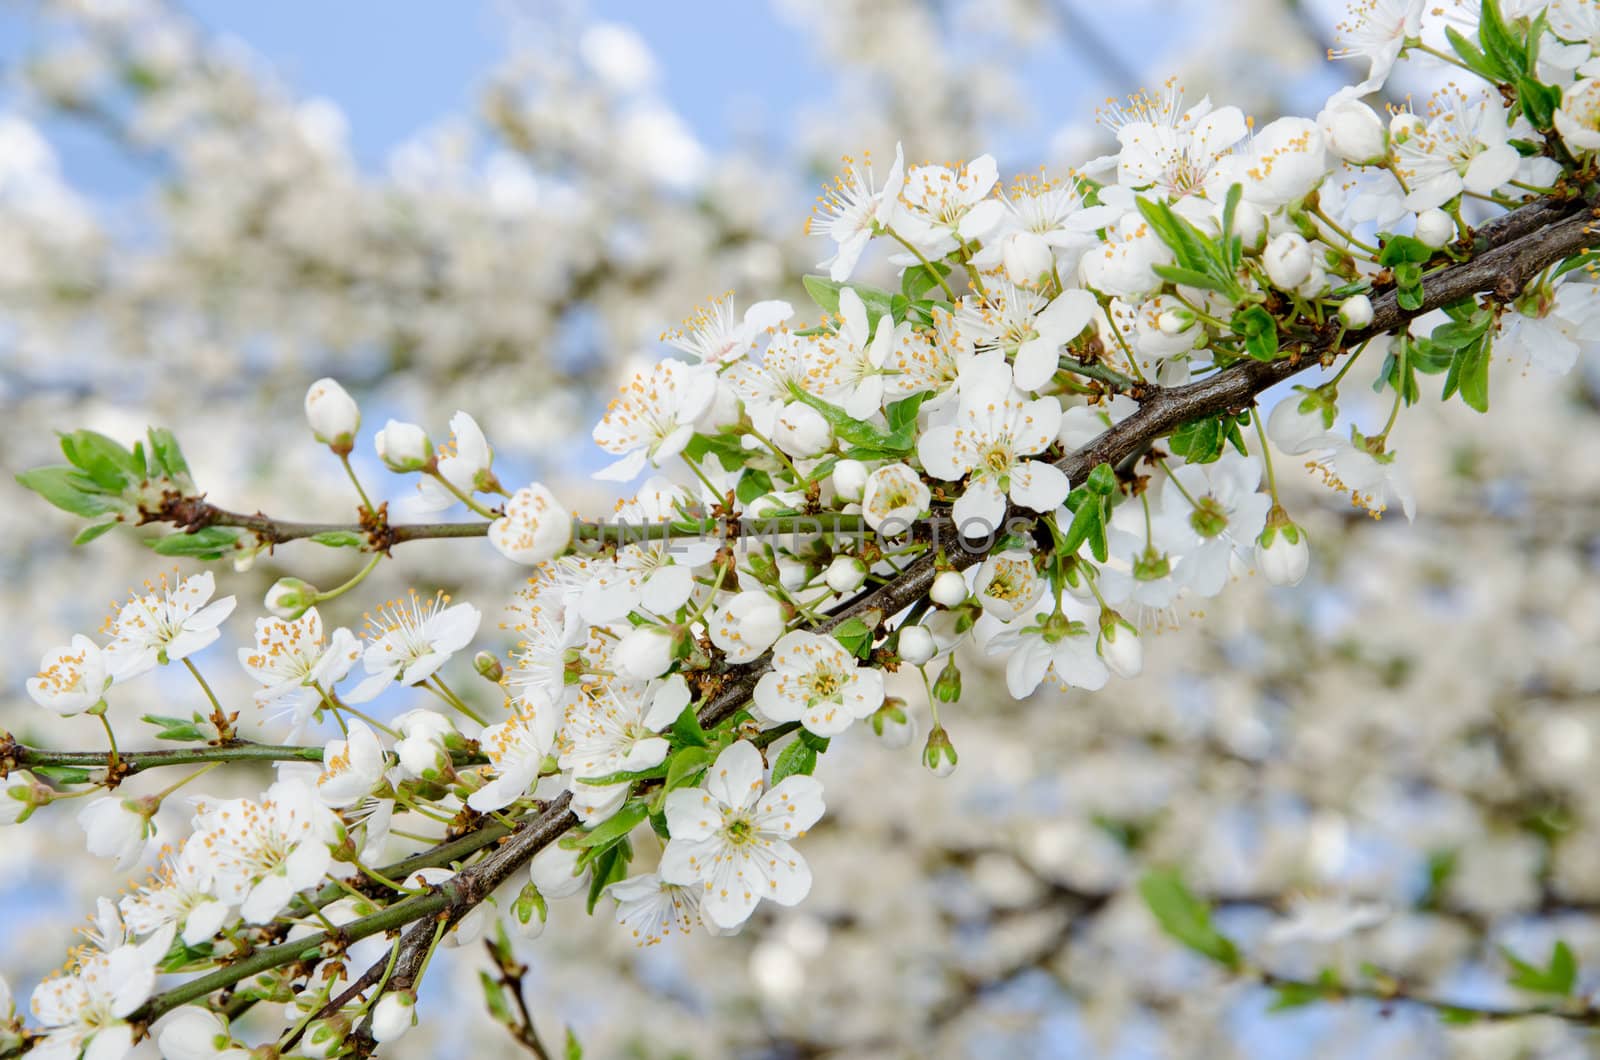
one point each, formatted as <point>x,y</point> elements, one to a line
<point>733,837</point>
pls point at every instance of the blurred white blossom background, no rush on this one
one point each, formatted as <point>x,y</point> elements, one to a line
<point>500,208</point>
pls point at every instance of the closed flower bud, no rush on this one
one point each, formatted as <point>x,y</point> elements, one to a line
<point>1119,646</point>
<point>644,653</point>
<point>1353,130</point>
<point>1315,283</point>
<point>195,1034</point>
<point>333,415</point>
<point>891,723</point>
<point>939,754</point>
<point>1356,312</point>
<point>325,1037</point>
<point>1027,257</point>
<point>289,598</point>
<point>530,912</point>
<point>20,794</point>
<point>947,688</point>
<point>1435,228</point>
<point>845,574</point>
<point>849,479</point>
<point>1404,125</point>
<point>801,431</point>
<point>393,1016</point>
<point>403,446</point>
<point>1282,551</point>
<point>1250,225</point>
<point>487,663</point>
<point>916,644</point>
<point>554,872</point>
<point>949,589</point>
<point>1287,260</point>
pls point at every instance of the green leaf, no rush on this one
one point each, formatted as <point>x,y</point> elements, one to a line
<point>211,542</point>
<point>610,866</point>
<point>1090,510</point>
<point>92,531</point>
<point>1186,918</point>
<point>857,432</point>
<point>797,757</point>
<point>1199,441</point>
<point>1469,373</point>
<point>1539,101</point>
<point>183,729</point>
<point>753,483</point>
<point>71,491</point>
<point>1480,64</point>
<point>166,454</point>
<point>825,293</point>
<point>1499,43</point>
<point>574,1051</point>
<point>685,765</point>
<point>339,539</point>
<point>613,829</point>
<point>855,635</point>
<point>687,731</point>
<point>1558,977</point>
<point>1401,250</point>
<point>918,281</point>
<point>1188,277</point>
<point>494,999</point>
<point>63,774</point>
<point>1260,332</point>
<point>104,459</point>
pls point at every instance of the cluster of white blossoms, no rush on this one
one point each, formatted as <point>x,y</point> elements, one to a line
<point>830,501</point>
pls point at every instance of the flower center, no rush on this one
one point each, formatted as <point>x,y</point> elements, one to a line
<point>1208,517</point>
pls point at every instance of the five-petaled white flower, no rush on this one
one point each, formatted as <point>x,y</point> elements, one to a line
<point>407,641</point>
<point>1022,325</point>
<point>291,658</point>
<point>1053,644</point>
<point>178,893</point>
<point>616,728</point>
<point>732,838</point>
<point>516,748</point>
<point>1377,30</point>
<point>1209,514</point>
<point>652,417</point>
<point>944,207</point>
<point>996,430</point>
<point>716,335</point>
<point>70,679</point>
<point>351,766</point>
<point>164,624</point>
<point>816,682</point>
<point>260,854</point>
<point>1464,146</point>
<point>854,208</point>
<point>84,1012</point>
<point>652,909</point>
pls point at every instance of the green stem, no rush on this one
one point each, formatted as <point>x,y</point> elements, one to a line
<point>935,273</point>
<point>204,687</point>
<point>464,498</point>
<point>455,700</point>
<point>366,502</point>
<point>359,577</point>
<point>1266,454</point>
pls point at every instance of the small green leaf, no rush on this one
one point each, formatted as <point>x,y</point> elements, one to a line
<point>614,828</point>
<point>339,539</point>
<point>1184,917</point>
<point>686,729</point>
<point>573,1049</point>
<point>753,483</point>
<point>1199,441</point>
<point>610,866</point>
<point>1558,977</point>
<point>685,765</point>
<point>70,490</point>
<point>797,757</point>
<point>825,293</point>
<point>855,635</point>
<point>211,542</point>
<point>182,729</point>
